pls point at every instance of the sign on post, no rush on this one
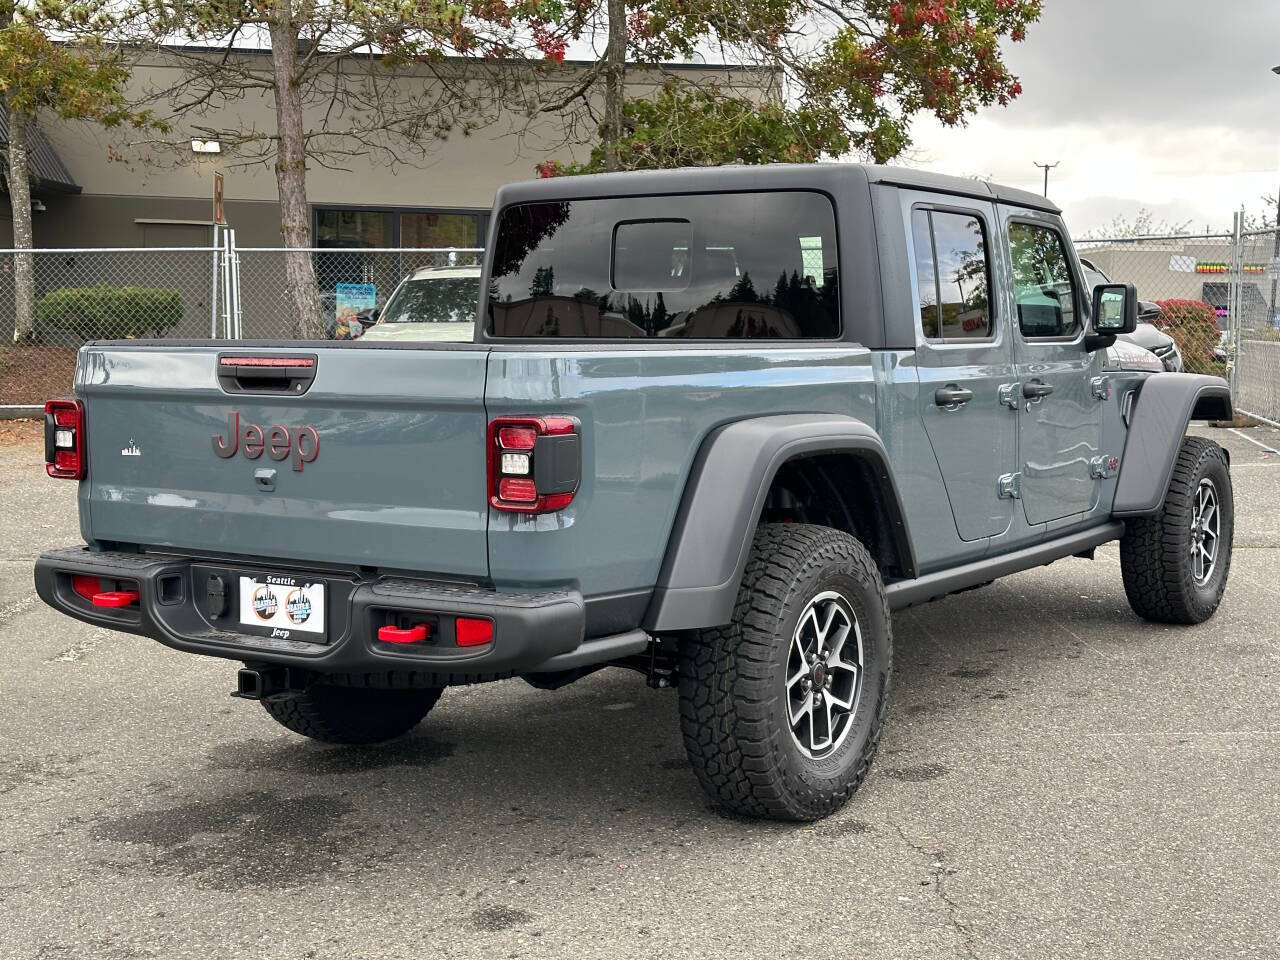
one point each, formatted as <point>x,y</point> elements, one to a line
<point>219,212</point>
<point>353,305</point>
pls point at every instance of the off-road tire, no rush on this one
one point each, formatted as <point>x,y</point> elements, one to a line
<point>733,704</point>
<point>351,715</point>
<point>1155,551</point>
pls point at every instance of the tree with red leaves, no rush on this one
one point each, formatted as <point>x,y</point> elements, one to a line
<point>819,78</point>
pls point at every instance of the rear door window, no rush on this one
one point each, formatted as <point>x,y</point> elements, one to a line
<point>693,267</point>
<point>953,273</point>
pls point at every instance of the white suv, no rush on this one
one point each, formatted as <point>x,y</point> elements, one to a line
<point>435,304</point>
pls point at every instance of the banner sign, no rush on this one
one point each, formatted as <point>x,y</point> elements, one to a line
<point>1218,266</point>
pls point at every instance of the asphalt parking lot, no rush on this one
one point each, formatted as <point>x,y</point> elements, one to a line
<point>1058,779</point>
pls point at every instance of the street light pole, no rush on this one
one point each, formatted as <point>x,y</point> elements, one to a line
<point>1275,252</point>
<point>1046,167</point>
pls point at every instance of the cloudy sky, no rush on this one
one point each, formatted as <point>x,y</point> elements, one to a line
<point>1169,105</point>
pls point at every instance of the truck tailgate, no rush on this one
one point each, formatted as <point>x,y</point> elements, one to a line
<point>381,461</point>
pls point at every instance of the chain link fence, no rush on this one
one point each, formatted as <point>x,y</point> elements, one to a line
<point>184,292</point>
<point>1217,295</point>
<point>354,285</point>
<point>1255,337</point>
<point>1189,280</point>
<point>81,295</point>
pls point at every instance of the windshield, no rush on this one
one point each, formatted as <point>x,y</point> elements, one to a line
<point>434,300</point>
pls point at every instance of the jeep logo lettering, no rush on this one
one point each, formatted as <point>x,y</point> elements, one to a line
<point>300,444</point>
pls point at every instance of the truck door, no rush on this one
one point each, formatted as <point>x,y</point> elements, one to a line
<point>1059,418</point>
<point>964,357</point>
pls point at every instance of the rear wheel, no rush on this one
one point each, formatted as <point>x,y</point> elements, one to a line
<point>351,715</point>
<point>1175,563</point>
<point>782,709</point>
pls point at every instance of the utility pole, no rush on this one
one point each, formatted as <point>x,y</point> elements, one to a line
<point>1275,252</point>
<point>1046,167</point>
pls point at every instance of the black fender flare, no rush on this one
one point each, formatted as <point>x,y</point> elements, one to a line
<point>723,499</point>
<point>1165,404</point>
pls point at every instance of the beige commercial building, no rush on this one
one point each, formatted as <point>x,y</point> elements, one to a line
<point>99,188</point>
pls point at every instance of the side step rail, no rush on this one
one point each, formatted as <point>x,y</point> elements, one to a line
<point>935,586</point>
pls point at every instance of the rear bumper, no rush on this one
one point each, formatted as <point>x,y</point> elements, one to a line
<point>532,632</point>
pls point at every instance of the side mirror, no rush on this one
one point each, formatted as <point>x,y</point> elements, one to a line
<point>1148,312</point>
<point>1115,308</point>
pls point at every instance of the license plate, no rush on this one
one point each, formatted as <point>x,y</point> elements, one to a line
<point>282,606</point>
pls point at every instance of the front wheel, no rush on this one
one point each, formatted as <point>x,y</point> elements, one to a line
<point>782,709</point>
<point>1175,563</point>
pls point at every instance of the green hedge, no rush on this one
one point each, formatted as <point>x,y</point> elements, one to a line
<point>107,313</point>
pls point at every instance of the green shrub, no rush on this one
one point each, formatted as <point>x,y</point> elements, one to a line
<point>107,313</point>
<point>1193,325</point>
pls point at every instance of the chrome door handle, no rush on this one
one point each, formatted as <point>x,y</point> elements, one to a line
<point>1035,390</point>
<point>952,396</point>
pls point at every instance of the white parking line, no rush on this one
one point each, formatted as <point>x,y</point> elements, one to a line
<point>1256,443</point>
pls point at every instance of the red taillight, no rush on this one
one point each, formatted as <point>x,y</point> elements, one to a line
<point>556,501</point>
<point>534,463</point>
<point>515,490</point>
<point>517,438</point>
<point>471,632</point>
<point>267,362</point>
<point>65,454</point>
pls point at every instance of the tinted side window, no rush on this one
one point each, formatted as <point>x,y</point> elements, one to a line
<point>926,272</point>
<point>953,272</point>
<point>1043,286</point>
<point>698,267</point>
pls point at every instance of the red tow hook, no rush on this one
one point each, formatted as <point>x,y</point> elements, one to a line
<point>116,598</point>
<point>415,634</point>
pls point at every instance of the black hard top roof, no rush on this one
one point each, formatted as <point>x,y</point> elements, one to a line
<point>776,176</point>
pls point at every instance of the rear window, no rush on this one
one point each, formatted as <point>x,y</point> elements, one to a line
<point>697,267</point>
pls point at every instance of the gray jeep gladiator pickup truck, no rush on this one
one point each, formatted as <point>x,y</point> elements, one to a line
<point>715,425</point>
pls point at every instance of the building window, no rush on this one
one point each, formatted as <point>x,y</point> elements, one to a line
<point>439,229</point>
<point>354,229</point>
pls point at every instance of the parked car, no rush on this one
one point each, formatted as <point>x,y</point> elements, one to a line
<point>432,304</point>
<point>896,387</point>
<point>1146,335</point>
